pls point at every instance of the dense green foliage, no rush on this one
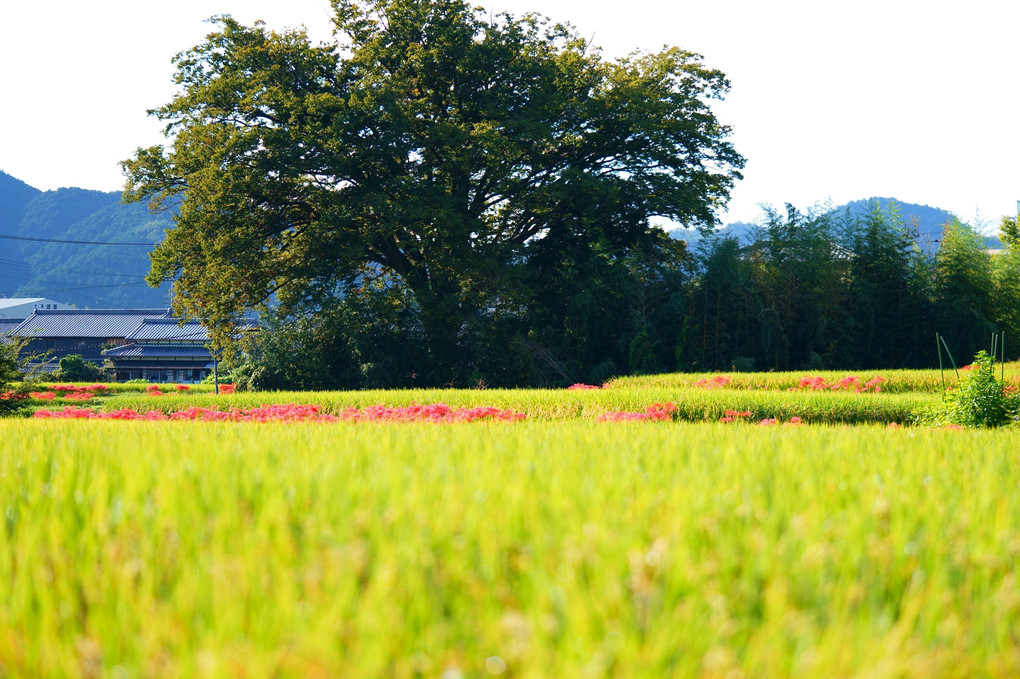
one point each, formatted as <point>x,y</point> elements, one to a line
<point>11,388</point>
<point>74,368</point>
<point>980,399</point>
<point>823,290</point>
<point>495,171</point>
<point>541,549</point>
<point>808,292</point>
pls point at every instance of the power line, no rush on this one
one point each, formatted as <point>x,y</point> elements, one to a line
<point>14,264</point>
<point>77,242</point>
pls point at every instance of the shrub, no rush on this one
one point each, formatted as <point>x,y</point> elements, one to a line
<point>13,392</point>
<point>980,400</point>
<point>75,368</point>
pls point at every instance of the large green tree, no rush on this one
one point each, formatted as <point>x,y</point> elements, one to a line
<point>439,145</point>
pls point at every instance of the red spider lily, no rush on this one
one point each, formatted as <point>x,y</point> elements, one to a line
<point>713,383</point>
<point>771,421</point>
<point>12,396</point>
<point>43,395</point>
<point>182,387</point>
<point>735,415</point>
<point>70,388</point>
<point>579,386</point>
<point>851,383</point>
<point>226,388</point>
<point>78,396</point>
<point>291,412</point>
<point>437,412</point>
<point>657,412</point>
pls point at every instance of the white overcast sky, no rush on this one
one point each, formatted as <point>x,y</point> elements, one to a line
<point>913,99</point>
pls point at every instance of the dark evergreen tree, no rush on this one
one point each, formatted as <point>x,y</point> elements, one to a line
<point>883,308</point>
<point>963,290</point>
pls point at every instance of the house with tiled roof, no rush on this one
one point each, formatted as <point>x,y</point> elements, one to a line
<point>162,350</point>
<point>7,325</point>
<point>56,333</point>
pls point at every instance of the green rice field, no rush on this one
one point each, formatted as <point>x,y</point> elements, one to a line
<point>557,546</point>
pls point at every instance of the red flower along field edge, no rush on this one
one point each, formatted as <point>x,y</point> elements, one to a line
<point>292,412</point>
<point>433,413</point>
<point>663,412</point>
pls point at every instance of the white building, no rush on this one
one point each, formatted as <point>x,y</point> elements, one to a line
<point>23,307</point>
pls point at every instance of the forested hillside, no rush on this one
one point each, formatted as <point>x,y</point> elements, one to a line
<point>38,261</point>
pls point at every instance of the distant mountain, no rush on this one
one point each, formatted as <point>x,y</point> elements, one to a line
<point>33,263</point>
<point>15,195</point>
<point>928,221</point>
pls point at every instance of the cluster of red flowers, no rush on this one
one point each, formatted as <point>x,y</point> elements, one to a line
<point>12,396</point>
<point>713,382</point>
<point>851,383</point>
<point>70,388</point>
<point>435,412</point>
<point>77,413</point>
<point>792,422</point>
<point>69,392</point>
<point>579,386</point>
<point>735,416</point>
<point>657,412</point>
<point>292,412</point>
<point>156,390</point>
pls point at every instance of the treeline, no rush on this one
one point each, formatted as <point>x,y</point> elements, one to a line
<point>813,290</point>
<point>832,290</point>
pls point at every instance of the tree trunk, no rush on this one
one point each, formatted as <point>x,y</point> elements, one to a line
<point>442,316</point>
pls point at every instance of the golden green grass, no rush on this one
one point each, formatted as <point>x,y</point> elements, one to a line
<point>535,549</point>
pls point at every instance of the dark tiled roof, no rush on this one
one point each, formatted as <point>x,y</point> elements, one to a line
<point>144,351</point>
<point>8,324</point>
<point>169,329</point>
<point>99,323</point>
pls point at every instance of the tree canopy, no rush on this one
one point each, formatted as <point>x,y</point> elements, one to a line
<point>438,148</point>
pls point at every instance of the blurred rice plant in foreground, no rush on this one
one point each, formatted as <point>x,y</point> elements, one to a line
<point>532,549</point>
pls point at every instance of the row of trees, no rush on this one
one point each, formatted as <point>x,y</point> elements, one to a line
<point>453,197</point>
<point>813,291</point>
<point>831,290</point>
